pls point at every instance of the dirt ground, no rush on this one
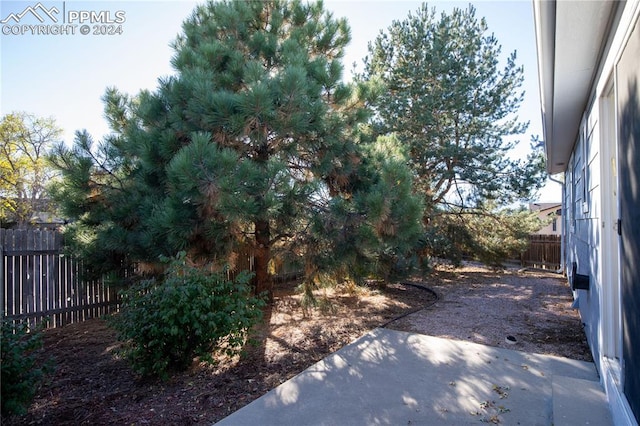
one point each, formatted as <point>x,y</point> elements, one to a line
<point>92,385</point>
<point>522,310</point>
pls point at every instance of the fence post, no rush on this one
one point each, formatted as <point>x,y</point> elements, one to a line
<point>4,279</point>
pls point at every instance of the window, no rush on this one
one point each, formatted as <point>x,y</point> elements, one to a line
<point>587,138</point>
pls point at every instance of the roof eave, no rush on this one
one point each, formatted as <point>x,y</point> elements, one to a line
<point>570,36</point>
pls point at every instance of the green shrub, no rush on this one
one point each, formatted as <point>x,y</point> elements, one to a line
<point>21,372</point>
<point>188,313</point>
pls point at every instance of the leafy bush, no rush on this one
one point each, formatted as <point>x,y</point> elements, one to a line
<point>188,313</point>
<point>21,372</point>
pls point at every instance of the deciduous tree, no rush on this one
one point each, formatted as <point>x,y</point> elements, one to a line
<point>24,171</point>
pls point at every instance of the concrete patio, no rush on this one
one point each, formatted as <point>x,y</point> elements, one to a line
<point>391,377</point>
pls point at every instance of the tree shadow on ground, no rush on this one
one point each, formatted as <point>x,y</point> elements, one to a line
<point>93,384</point>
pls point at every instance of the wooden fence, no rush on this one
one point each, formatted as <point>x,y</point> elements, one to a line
<point>40,282</point>
<point>544,252</point>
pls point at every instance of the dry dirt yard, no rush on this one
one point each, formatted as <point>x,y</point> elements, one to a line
<point>485,306</point>
<point>92,385</point>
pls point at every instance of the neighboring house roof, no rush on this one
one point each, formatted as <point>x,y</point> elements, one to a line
<point>546,208</point>
<point>570,38</point>
<point>543,206</point>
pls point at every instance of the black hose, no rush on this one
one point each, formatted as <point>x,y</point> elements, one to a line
<point>428,305</point>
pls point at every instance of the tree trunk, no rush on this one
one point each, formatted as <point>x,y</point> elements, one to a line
<point>262,280</point>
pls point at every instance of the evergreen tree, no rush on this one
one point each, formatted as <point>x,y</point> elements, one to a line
<point>450,101</point>
<point>373,232</point>
<point>255,141</point>
<point>487,233</point>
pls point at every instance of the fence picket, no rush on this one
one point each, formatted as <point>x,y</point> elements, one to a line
<point>3,287</point>
<point>544,252</point>
<point>36,274</point>
<point>10,282</point>
<point>40,282</point>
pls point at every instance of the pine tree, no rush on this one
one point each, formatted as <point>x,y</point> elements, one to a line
<point>254,142</point>
<point>448,99</point>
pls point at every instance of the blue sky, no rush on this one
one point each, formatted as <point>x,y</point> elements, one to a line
<point>65,76</point>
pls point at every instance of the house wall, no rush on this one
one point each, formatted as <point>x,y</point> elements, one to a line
<point>583,214</point>
<point>549,215</point>
<point>548,229</point>
<point>591,207</point>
